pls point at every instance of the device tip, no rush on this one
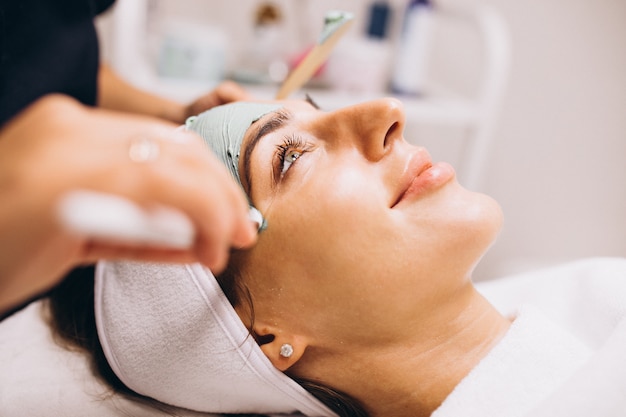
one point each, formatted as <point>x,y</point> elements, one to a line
<point>256,217</point>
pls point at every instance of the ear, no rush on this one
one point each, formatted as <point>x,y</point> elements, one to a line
<point>273,339</point>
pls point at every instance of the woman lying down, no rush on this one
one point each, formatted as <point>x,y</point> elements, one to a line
<point>357,299</point>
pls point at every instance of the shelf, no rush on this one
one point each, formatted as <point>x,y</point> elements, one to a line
<point>429,109</point>
<point>437,108</point>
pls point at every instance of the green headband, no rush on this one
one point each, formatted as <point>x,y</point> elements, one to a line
<point>224,127</point>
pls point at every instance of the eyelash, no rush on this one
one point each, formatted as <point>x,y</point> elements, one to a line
<point>291,143</point>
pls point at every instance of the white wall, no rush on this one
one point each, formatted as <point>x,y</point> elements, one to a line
<point>558,164</point>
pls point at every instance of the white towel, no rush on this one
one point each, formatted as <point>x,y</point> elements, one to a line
<point>583,305</point>
<point>169,333</point>
<point>533,359</point>
<point>597,389</point>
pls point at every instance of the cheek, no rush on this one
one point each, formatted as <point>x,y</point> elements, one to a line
<point>347,220</point>
<point>337,196</point>
<point>329,220</point>
<point>347,200</point>
<point>453,228</point>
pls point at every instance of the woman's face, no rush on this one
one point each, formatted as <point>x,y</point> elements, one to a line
<point>365,233</point>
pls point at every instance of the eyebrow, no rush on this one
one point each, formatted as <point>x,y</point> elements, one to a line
<point>279,119</point>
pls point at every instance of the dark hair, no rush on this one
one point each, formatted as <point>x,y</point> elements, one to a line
<point>73,321</point>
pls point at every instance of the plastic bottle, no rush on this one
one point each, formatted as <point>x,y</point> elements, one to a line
<point>411,60</point>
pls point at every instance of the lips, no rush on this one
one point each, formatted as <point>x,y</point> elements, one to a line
<point>420,175</point>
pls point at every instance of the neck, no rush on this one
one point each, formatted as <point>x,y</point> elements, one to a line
<point>412,376</point>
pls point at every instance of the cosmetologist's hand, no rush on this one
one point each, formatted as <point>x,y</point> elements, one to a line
<point>58,145</point>
<point>224,93</point>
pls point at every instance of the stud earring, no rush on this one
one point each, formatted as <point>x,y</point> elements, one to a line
<point>286,350</point>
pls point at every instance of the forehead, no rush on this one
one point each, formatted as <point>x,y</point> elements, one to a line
<point>295,109</point>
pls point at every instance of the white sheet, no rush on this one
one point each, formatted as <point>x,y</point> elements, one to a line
<point>41,379</point>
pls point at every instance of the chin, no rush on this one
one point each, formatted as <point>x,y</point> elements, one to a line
<point>488,225</point>
<point>477,221</point>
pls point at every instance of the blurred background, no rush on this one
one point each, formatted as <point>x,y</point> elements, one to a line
<point>526,99</point>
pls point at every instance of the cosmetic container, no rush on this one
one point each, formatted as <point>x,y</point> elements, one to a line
<point>412,52</point>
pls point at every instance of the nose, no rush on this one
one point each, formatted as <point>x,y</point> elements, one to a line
<point>372,127</point>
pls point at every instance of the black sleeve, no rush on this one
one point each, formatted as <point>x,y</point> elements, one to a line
<point>47,46</point>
